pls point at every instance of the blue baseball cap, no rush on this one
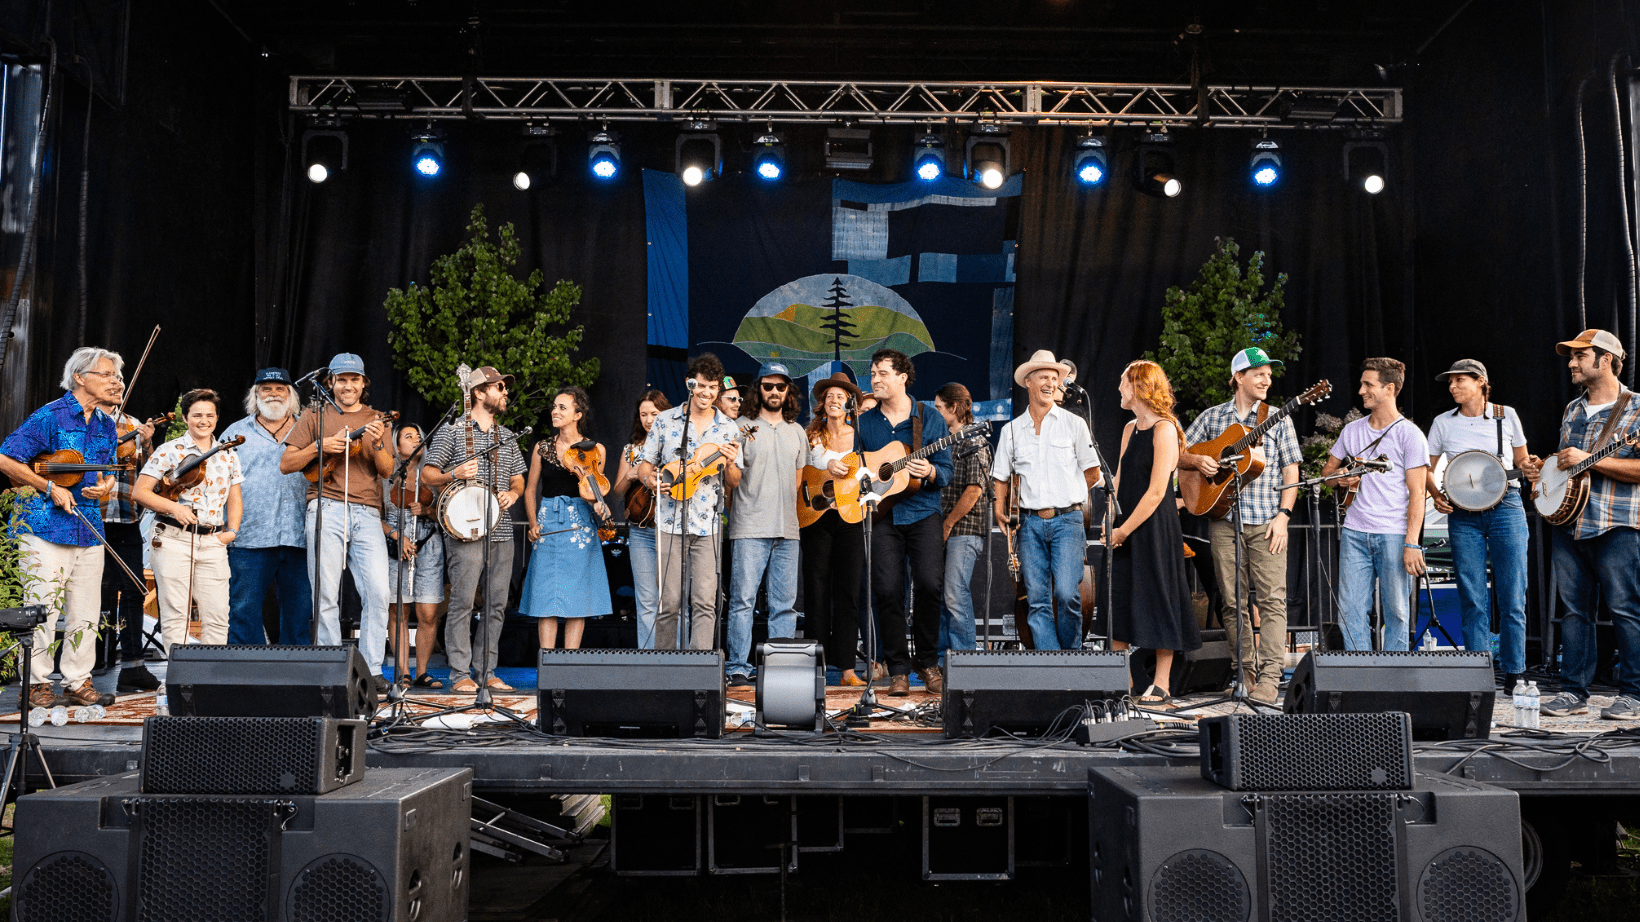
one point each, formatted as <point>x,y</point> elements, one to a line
<point>346,363</point>
<point>273,376</point>
<point>770,369</point>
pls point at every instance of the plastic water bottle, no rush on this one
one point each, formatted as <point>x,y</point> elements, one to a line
<point>59,716</point>
<point>1522,718</point>
<point>1534,700</point>
<point>162,705</point>
<point>37,717</point>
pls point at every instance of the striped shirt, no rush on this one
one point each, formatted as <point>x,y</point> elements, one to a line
<point>1260,499</point>
<point>1612,503</point>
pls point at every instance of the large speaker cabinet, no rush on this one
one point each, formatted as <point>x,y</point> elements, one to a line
<point>393,846</point>
<point>269,680</point>
<point>1167,845</point>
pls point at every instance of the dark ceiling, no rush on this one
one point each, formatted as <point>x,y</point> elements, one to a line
<point>1318,42</point>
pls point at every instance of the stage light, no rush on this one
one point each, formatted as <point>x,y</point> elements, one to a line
<point>986,155</point>
<point>604,156</point>
<point>928,160</point>
<point>698,153</point>
<point>1264,166</point>
<point>427,153</point>
<point>848,149</point>
<point>769,156</point>
<point>324,152</point>
<point>1157,164</point>
<point>537,156</point>
<point>1366,162</point>
<point>1091,164</point>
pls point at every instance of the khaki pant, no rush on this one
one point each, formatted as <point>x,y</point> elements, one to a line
<point>704,554</point>
<point>1266,574</point>
<point>172,554</point>
<point>76,573</point>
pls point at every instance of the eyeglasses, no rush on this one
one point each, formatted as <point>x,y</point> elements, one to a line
<point>118,378</point>
<point>732,398</point>
<point>775,386</point>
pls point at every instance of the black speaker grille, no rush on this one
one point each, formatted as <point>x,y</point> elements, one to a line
<point>232,755</point>
<point>339,888</point>
<point>204,860</point>
<point>67,887</point>
<point>1322,752</point>
<point>1468,885</point>
<point>1406,654</point>
<point>1199,886</point>
<point>1332,856</point>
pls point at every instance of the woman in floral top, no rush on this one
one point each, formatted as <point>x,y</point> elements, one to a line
<point>566,579</point>
<point>189,547</point>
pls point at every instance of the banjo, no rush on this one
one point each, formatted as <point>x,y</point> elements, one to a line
<point>1476,480</point>
<point>1560,495</point>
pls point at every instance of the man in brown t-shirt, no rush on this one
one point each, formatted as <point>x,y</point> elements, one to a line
<point>352,532</point>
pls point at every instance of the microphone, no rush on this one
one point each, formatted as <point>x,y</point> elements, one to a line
<point>1378,465</point>
<point>965,448</point>
<point>528,429</point>
<point>312,374</point>
<point>690,385</point>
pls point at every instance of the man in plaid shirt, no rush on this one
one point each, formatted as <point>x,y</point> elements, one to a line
<point>1595,555</point>
<point>120,515</point>
<point>963,510</point>
<point>1265,511</point>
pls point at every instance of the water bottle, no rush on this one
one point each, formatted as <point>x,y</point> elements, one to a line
<point>59,716</point>
<point>1522,718</point>
<point>1534,700</point>
<point>162,705</point>
<point>37,717</point>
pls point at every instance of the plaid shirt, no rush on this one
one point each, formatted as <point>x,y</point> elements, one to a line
<point>118,506</point>
<point>1612,503</point>
<point>971,471</point>
<point>1260,499</point>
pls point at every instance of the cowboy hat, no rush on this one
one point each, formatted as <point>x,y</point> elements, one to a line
<point>1041,359</point>
<point>837,379</point>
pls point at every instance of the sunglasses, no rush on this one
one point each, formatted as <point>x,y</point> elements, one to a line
<point>773,386</point>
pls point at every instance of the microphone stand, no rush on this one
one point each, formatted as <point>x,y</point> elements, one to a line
<point>322,396</point>
<point>1113,508</point>
<point>868,706</point>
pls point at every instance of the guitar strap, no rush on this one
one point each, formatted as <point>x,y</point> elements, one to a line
<point>916,427</point>
<point>1611,421</point>
<point>1263,414</point>
<point>1368,450</point>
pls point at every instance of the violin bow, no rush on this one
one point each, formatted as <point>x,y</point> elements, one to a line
<point>141,586</point>
<point>133,385</point>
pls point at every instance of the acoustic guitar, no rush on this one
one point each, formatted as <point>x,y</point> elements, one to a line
<point>887,476</point>
<point>1560,495</point>
<point>820,492</point>
<point>1211,496</point>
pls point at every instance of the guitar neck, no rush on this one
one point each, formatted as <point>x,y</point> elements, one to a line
<point>930,448</point>
<point>1259,430</point>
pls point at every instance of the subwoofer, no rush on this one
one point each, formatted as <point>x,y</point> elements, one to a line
<point>270,680</point>
<point>250,755</point>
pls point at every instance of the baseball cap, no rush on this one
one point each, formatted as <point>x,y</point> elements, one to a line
<point>1464,367</point>
<point>486,374</point>
<point>346,363</point>
<point>1251,357</point>
<point>1597,338</point>
<point>273,376</point>
<point>770,369</point>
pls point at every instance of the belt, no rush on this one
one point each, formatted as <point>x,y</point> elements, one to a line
<point>196,529</point>
<point>1050,513</point>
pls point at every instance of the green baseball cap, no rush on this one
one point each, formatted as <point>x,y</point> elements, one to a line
<point>1251,357</point>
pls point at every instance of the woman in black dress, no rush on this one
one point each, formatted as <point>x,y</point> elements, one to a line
<point>1151,605</point>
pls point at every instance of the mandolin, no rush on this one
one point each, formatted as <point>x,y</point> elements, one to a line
<point>587,464</point>
<point>1212,496</point>
<point>707,460</point>
<point>315,471</point>
<point>1560,495</point>
<point>820,491</point>
<point>888,477</point>
<point>192,471</point>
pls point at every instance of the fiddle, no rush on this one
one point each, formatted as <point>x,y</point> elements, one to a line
<point>129,445</point>
<point>191,472</point>
<point>67,467</point>
<point>706,461</point>
<point>585,459</point>
<point>315,471</point>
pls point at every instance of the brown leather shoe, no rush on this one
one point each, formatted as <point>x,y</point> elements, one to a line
<point>899,686</point>
<point>43,696</point>
<point>933,680</point>
<point>85,694</point>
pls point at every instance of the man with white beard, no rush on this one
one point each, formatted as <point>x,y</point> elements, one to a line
<point>271,546</point>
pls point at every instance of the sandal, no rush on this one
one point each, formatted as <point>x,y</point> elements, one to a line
<point>1153,697</point>
<point>427,681</point>
<point>495,684</point>
<point>464,686</point>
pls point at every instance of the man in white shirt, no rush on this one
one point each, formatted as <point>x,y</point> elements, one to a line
<point>1051,450</point>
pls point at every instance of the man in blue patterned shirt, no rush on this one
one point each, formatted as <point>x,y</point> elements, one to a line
<point>1595,554</point>
<point>694,424</point>
<point>63,553</point>
<point>1265,510</point>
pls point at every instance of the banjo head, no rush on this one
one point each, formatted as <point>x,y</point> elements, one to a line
<point>1475,481</point>
<point>1551,487</point>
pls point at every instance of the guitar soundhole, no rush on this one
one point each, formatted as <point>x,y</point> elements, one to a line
<point>885,473</point>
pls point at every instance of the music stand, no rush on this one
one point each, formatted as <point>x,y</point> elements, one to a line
<point>22,622</point>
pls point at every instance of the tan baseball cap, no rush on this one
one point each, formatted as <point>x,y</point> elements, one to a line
<point>1596,338</point>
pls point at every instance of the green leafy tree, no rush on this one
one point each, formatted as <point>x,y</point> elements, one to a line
<point>1226,309</point>
<point>476,311</point>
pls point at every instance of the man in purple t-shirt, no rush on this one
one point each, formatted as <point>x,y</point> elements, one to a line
<point>1381,530</point>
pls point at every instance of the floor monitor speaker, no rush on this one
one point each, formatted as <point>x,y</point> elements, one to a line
<point>1025,691</point>
<point>1449,694</point>
<point>653,694</point>
<point>269,680</point>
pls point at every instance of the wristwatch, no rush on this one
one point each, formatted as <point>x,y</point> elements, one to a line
<point>1285,512</point>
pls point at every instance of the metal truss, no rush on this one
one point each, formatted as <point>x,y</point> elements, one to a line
<point>835,102</point>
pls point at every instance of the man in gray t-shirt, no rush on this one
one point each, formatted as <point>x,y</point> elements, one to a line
<point>763,515</point>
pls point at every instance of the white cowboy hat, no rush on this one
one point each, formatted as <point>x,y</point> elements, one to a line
<point>1041,359</point>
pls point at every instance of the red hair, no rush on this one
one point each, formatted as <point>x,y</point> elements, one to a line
<point>1151,386</point>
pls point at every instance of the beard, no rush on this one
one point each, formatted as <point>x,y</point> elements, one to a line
<point>495,403</point>
<point>274,408</point>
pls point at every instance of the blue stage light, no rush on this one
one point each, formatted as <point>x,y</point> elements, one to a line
<point>929,160</point>
<point>1265,163</point>
<point>769,157</point>
<point>1091,163</point>
<point>427,153</point>
<point>604,156</point>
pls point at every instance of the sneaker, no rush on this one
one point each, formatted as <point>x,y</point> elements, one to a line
<point>1564,704</point>
<point>739,680</point>
<point>137,679</point>
<point>1265,692</point>
<point>84,693</point>
<point>1624,708</point>
<point>379,684</point>
<point>42,696</point>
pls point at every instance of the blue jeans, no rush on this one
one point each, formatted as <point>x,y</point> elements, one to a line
<point>957,615</point>
<point>755,558</point>
<point>640,545</point>
<point>366,556</point>
<point>1051,553</point>
<point>1363,558</point>
<point>253,568</point>
<point>1602,568</point>
<point>1498,533</point>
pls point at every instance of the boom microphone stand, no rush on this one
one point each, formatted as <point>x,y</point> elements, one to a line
<point>321,396</point>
